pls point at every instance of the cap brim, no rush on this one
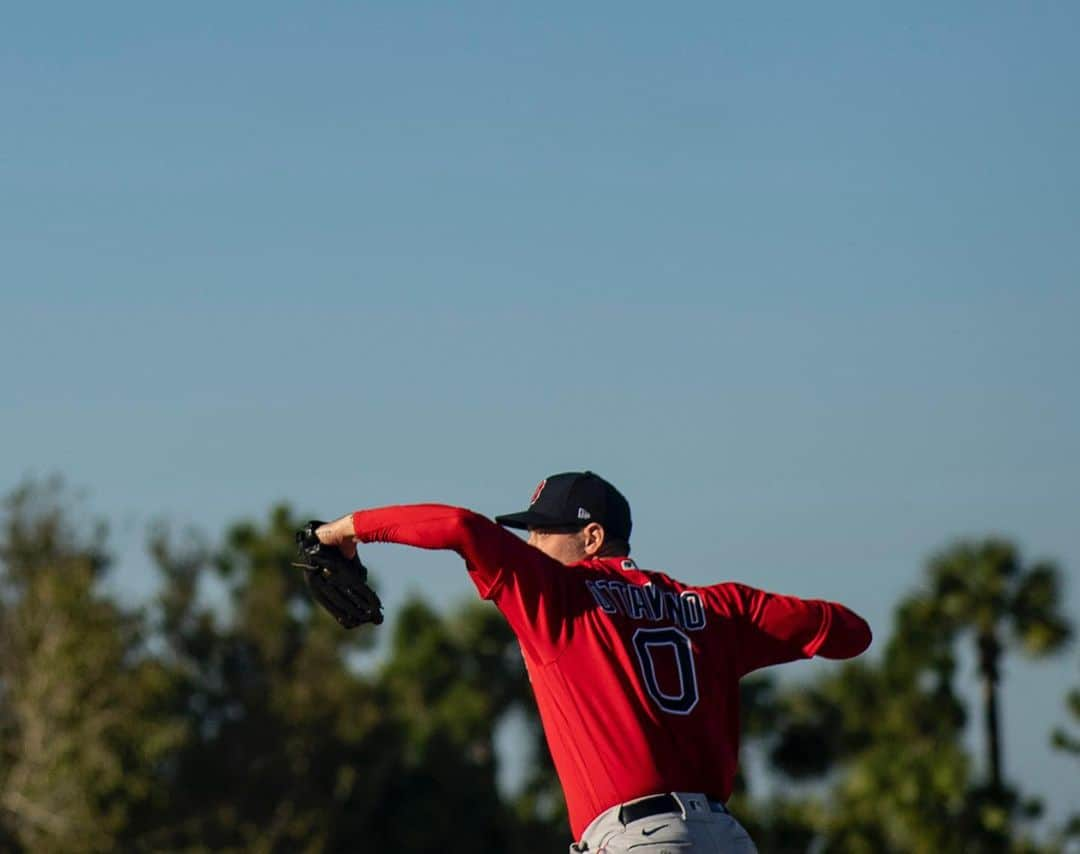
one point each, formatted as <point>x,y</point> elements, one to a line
<point>530,519</point>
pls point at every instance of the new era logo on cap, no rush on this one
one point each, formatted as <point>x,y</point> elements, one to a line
<point>571,500</point>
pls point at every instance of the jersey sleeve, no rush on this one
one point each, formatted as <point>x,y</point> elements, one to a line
<point>527,586</point>
<point>772,629</point>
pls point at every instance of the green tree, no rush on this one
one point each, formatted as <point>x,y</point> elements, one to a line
<point>82,704</point>
<point>287,748</point>
<point>1062,739</point>
<point>984,589</point>
<point>883,741</point>
<point>294,749</point>
<point>1068,741</point>
<point>233,716</point>
<point>450,679</point>
<point>885,737</point>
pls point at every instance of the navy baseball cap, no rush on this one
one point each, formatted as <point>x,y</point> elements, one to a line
<point>571,501</point>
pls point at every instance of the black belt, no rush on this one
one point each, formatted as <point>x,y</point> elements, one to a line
<point>647,807</point>
<point>657,804</point>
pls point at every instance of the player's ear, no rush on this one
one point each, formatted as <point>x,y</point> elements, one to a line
<point>593,538</point>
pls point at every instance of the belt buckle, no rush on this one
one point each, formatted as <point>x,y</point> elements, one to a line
<point>698,803</point>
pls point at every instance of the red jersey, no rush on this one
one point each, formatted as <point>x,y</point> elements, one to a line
<point>635,674</point>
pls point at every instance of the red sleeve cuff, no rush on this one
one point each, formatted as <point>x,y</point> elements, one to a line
<point>815,644</point>
<point>848,634</point>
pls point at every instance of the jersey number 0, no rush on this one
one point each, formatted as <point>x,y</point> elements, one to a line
<point>646,643</point>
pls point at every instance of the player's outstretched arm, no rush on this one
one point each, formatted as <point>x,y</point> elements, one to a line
<point>485,546</point>
<point>780,628</point>
<point>527,586</point>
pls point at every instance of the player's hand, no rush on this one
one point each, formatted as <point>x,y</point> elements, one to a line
<point>337,583</point>
<point>339,533</point>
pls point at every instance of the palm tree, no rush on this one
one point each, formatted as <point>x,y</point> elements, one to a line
<point>983,587</point>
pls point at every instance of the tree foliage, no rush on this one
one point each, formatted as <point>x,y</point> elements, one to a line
<point>85,722</point>
<point>1066,738</point>
<point>230,715</point>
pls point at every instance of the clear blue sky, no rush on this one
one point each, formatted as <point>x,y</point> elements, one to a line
<point>802,279</point>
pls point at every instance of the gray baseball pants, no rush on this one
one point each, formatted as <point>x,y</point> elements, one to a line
<point>697,824</point>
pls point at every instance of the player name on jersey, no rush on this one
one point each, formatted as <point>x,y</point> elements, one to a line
<point>649,602</point>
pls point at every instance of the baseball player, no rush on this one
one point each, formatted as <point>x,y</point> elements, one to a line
<point>635,673</point>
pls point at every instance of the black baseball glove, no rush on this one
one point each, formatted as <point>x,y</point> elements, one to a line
<point>338,583</point>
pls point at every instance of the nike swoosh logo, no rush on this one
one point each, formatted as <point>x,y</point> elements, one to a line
<point>653,830</point>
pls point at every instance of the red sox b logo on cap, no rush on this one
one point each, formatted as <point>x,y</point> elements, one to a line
<point>536,492</point>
